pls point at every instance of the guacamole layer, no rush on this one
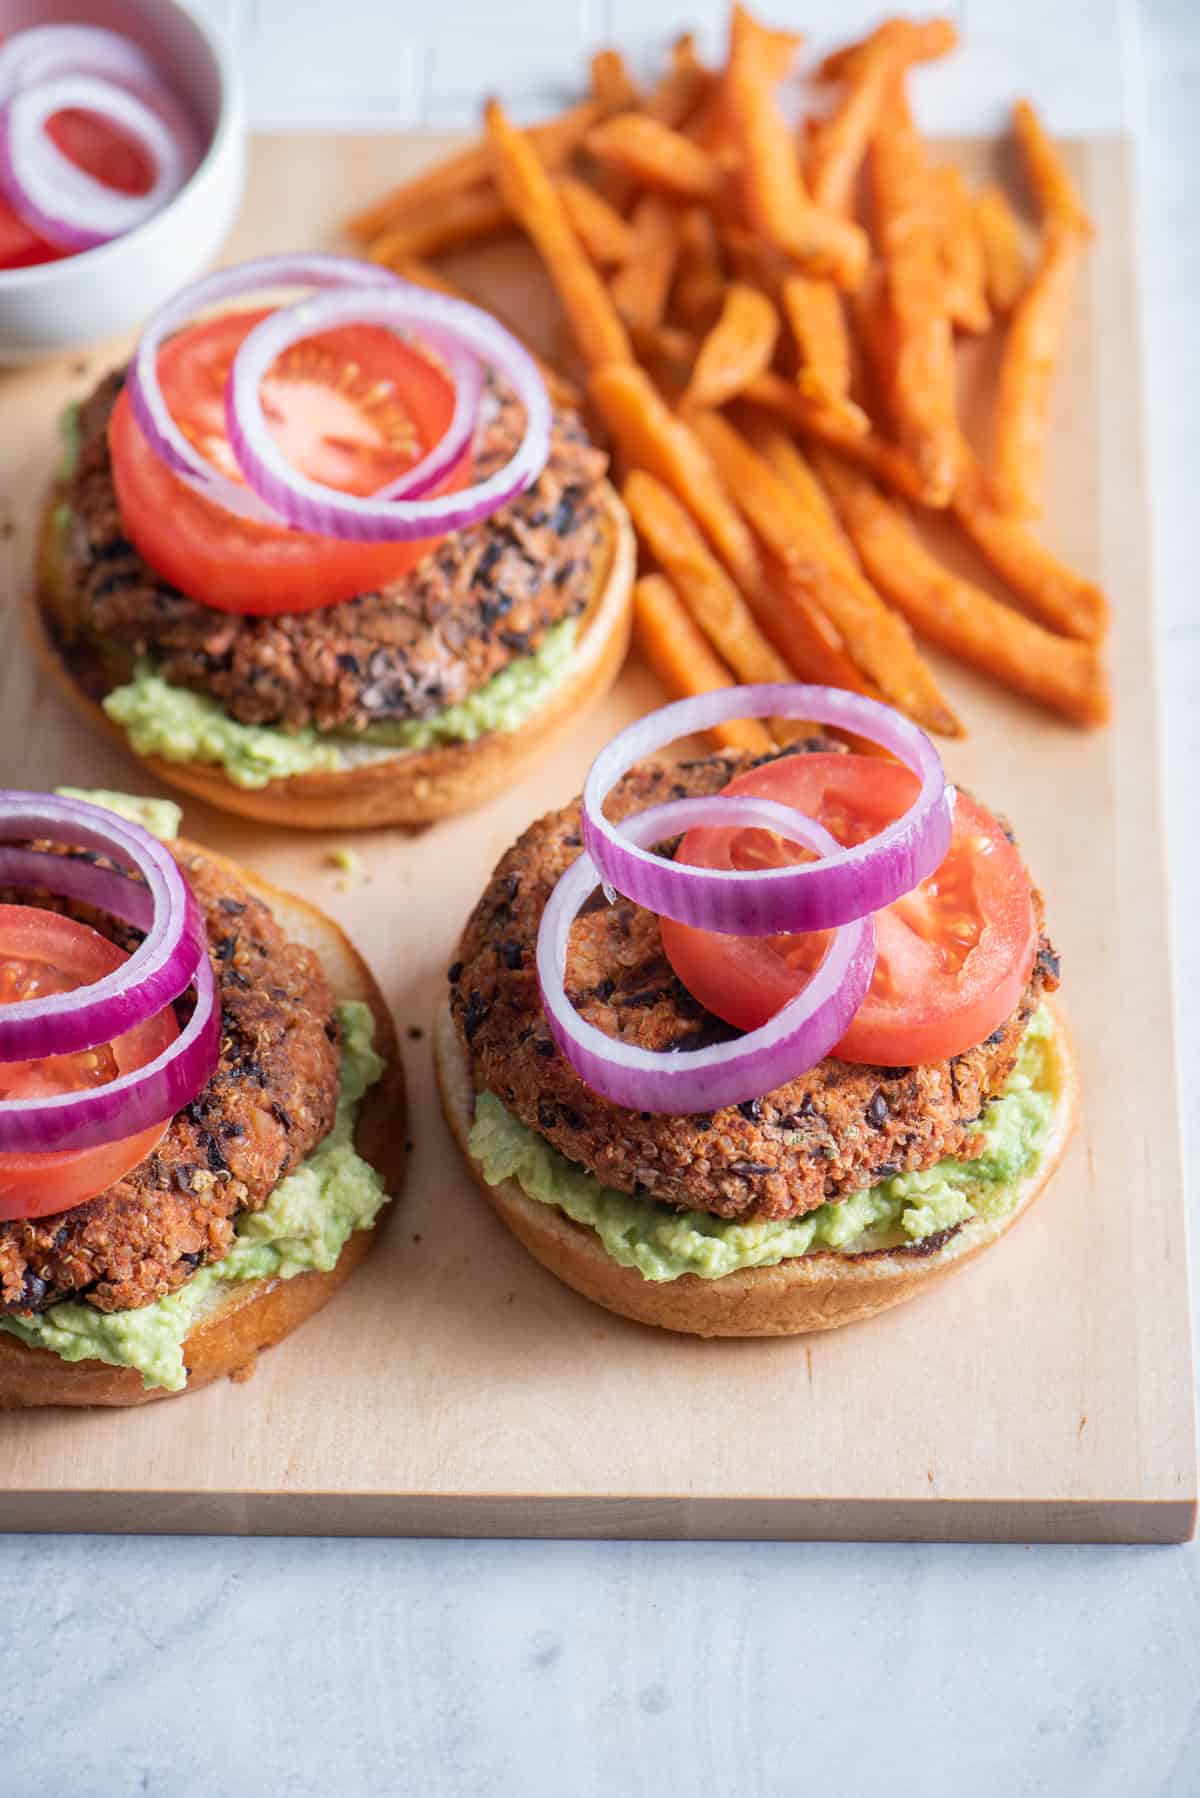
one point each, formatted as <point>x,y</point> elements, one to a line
<point>180,726</point>
<point>662,1244</point>
<point>303,1227</point>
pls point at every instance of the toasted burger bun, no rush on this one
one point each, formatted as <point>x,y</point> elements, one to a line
<point>255,1314</point>
<point>820,1291</point>
<point>415,786</point>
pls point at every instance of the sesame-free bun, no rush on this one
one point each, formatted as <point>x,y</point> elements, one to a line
<point>254,1314</point>
<point>415,786</point>
<point>819,1291</point>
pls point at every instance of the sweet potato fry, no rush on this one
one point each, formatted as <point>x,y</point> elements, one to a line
<point>922,380</point>
<point>739,347</point>
<point>649,436</point>
<point>773,193</point>
<point>641,285</point>
<point>527,192</point>
<point>700,281</point>
<point>604,234</point>
<point>613,87</point>
<point>798,475</point>
<point>928,39</point>
<point>963,268</point>
<point>814,313</point>
<point>653,154</point>
<point>555,142</point>
<point>1003,255</point>
<point>878,642</point>
<point>1027,372</point>
<point>561,391</point>
<point>709,124</point>
<point>674,344</point>
<point>754,260</point>
<point>685,662</point>
<point>683,88</point>
<point>810,643</point>
<point>1058,596</point>
<point>839,143</point>
<point>460,218</point>
<point>667,532</point>
<point>784,400</point>
<point>1058,672</point>
<point>1055,192</point>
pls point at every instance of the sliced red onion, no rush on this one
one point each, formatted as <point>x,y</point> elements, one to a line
<point>843,885</point>
<point>52,194</point>
<point>146,396</point>
<point>704,1080</point>
<point>29,58</point>
<point>43,52</point>
<point>466,374</point>
<point>53,67</point>
<point>309,506</point>
<point>134,1101</point>
<point>79,878</point>
<point>162,966</point>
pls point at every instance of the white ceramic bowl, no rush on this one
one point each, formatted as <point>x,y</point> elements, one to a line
<point>64,305</point>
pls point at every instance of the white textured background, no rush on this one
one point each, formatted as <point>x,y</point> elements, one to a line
<point>212,1669</point>
<point>379,63</point>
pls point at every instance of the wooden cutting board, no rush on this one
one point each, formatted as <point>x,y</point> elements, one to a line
<point>454,1388</point>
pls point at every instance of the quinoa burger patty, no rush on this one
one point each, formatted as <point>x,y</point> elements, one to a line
<point>486,596</point>
<point>481,603</point>
<point>837,1128</point>
<point>270,1101</point>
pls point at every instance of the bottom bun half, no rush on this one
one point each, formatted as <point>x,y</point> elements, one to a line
<point>254,1314</point>
<point>821,1291</point>
<point>414,786</point>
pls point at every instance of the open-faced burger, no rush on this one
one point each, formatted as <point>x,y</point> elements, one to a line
<point>801,1061</point>
<point>201,1106</point>
<point>340,562</point>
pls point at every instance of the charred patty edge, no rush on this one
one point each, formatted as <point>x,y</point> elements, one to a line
<point>483,599</point>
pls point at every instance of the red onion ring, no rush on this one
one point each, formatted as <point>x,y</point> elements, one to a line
<point>313,270</point>
<point>29,58</point>
<point>53,195</point>
<point>844,885</point>
<point>37,178</point>
<point>162,966</point>
<point>134,1101</point>
<point>308,505</point>
<point>703,1080</point>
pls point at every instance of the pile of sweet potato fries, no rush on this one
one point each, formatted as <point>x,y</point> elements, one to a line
<point>768,320</point>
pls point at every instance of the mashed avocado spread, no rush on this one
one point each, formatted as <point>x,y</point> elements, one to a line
<point>663,1244</point>
<point>168,721</point>
<point>161,817</point>
<point>304,1225</point>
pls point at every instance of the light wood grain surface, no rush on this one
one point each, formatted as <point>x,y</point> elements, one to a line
<point>455,1388</point>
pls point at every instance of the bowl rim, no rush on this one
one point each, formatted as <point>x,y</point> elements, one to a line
<point>230,121</point>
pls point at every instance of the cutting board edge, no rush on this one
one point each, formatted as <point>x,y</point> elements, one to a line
<point>1161,1521</point>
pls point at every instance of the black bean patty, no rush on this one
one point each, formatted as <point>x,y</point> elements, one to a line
<point>486,596</point>
<point>837,1128</point>
<point>271,1100</point>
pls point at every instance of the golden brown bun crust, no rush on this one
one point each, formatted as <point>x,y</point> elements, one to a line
<point>256,1314</point>
<point>415,786</point>
<point>811,1292</point>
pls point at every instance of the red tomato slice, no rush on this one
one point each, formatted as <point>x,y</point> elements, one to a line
<point>102,149</point>
<point>19,246</point>
<point>954,955</point>
<point>352,408</point>
<point>40,953</point>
